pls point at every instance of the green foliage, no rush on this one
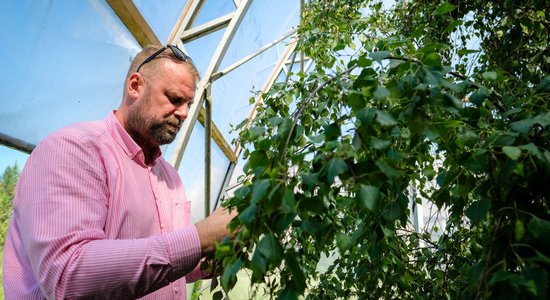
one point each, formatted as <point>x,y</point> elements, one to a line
<point>7,190</point>
<point>439,102</point>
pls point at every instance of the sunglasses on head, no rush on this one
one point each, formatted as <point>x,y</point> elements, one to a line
<point>177,52</point>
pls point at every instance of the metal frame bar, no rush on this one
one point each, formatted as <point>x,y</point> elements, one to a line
<point>16,144</point>
<point>206,28</point>
<point>207,149</point>
<point>199,96</point>
<point>251,56</point>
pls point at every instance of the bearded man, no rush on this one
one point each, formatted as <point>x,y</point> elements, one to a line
<point>98,212</point>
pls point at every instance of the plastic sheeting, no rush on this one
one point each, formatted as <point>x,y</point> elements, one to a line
<point>62,62</point>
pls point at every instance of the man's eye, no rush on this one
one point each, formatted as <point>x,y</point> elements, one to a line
<point>174,100</point>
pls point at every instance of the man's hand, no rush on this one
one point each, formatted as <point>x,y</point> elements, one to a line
<point>214,229</point>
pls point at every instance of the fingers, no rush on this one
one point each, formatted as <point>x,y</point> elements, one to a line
<point>214,228</point>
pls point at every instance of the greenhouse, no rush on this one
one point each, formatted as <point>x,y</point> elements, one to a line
<point>254,149</point>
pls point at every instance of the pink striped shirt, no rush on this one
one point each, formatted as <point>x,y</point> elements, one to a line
<point>92,220</point>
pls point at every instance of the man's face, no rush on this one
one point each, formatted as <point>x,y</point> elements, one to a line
<point>157,116</point>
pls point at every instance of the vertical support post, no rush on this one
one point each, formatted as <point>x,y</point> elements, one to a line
<point>207,148</point>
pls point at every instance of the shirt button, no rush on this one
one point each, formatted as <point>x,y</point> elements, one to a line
<point>175,290</point>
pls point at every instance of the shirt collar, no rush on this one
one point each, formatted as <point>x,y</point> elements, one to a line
<point>132,149</point>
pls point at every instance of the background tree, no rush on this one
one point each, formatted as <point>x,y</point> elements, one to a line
<point>444,103</point>
<point>7,190</point>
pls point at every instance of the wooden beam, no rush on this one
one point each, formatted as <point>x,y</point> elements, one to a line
<point>129,14</point>
<point>217,136</point>
<point>206,28</point>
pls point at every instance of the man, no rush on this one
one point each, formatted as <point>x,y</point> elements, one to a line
<point>98,213</point>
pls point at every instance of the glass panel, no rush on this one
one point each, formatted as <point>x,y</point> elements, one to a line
<point>191,171</point>
<point>220,164</point>
<point>231,93</point>
<point>233,186</point>
<point>212,9</point>
<point>161,15</point>
<point>264,22</point>
<point>60,67</point>
<point>201,50</point>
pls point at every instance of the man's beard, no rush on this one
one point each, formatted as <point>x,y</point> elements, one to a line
<point>163,132</point>
<point>143,128</point>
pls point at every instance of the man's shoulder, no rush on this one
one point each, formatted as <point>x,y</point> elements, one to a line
<point>82,133</point>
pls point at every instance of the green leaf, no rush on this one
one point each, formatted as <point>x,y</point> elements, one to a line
<point>444,8</point>
<point>258,159</point>
<point>289,202</point>
<point>522,126</point>
<point>218,295</point>
<point>344,242</point>
<point>271,249</point>
<point>385,119</point>
<point>289,293</point>
<point>391,211</point>
<point>539,229</point>
<point>379,55</point>
<point>519,230</point>
<point>259,189</point>
<point>490,76</point>
<point>479,96</point>
<point>282,223</point>
<point>332,132</point>
<point>310,180</point>
<point>242,192</point>
<point>335,167</point>
<point>432,59</point>
<point>259,263</point>
<point>368,196</point>
<point>386,169</point>
<point>229,276</point>
<point>275,121</point>
<point>311,227</point>
<point>378,144</point>
<point>381,92</point>
<point>544,85</point>
<point>477,210</point>
<point>298,278</point>
<point>247,216</point>
<point>512,152</point>
<point>256,131</point>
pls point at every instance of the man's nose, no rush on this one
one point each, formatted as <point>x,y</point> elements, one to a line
<point>181,112</point>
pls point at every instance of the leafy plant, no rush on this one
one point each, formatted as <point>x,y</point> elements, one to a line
<point>427,102</point>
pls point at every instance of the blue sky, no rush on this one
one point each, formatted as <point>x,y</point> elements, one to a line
<point>9,156</point>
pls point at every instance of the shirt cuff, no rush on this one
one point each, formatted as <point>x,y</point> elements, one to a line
<point>184,250</point>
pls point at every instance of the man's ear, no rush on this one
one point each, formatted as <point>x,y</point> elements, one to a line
<point>135,86</point>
